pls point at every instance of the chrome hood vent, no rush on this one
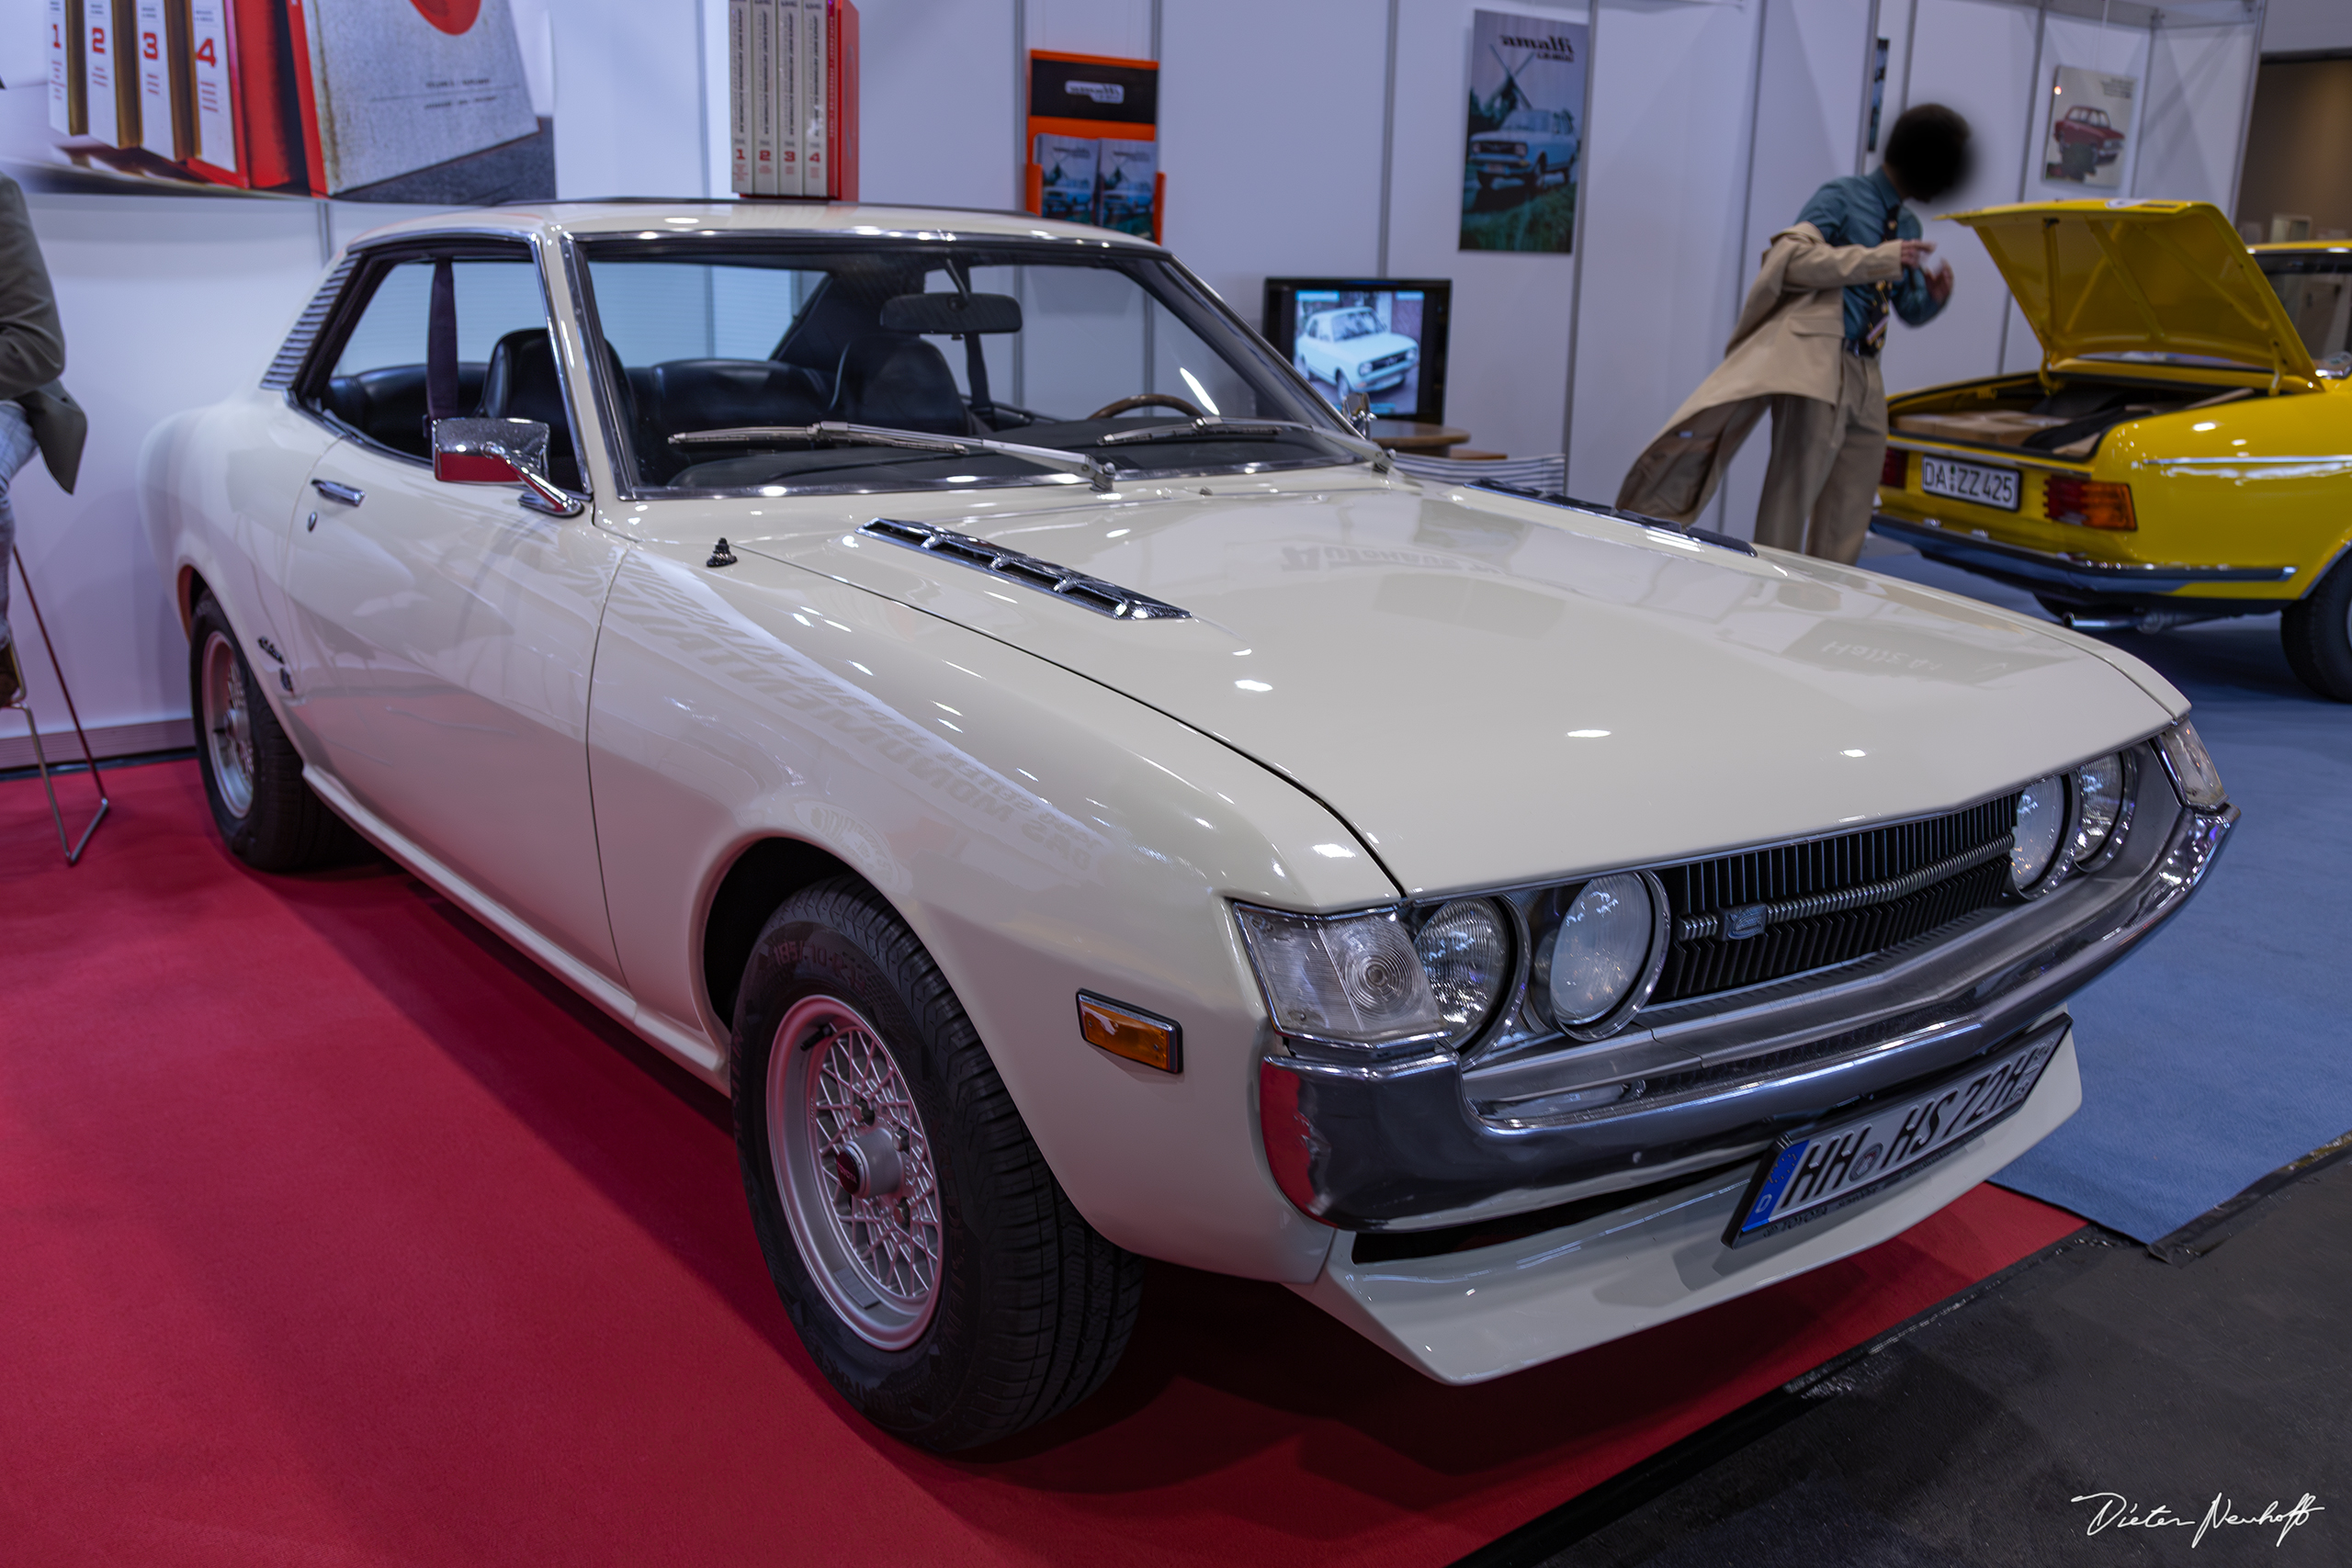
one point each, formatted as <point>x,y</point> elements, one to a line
<point>1103,598</point>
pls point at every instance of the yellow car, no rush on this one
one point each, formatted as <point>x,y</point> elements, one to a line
<point>2185,451</point>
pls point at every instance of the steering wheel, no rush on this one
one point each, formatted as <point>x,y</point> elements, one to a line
<point>1147,401</point>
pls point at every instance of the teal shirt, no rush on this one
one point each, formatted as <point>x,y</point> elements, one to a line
<point>1855,210</point>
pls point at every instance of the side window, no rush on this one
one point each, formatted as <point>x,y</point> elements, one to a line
<point>377,385</point>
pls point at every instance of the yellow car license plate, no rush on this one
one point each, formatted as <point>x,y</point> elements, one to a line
<point>1968,481</point>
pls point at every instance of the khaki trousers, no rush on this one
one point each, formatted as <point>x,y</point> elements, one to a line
<point>1824,467</point>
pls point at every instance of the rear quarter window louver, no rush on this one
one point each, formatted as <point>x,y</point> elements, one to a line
<point>296,347</point>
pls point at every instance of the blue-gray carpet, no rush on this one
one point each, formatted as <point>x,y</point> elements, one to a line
<point>2221,1049</point>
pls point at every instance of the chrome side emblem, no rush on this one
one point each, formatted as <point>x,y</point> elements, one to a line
<point>1103,598</point>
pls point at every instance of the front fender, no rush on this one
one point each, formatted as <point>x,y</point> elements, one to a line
<point>1040,833</point>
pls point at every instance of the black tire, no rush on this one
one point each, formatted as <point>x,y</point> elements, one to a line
<point>1029,1307</point>
<point>2317,631</point>
<point>252,777</point>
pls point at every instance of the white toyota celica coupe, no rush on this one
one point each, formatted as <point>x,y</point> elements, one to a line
<point>945,680</point>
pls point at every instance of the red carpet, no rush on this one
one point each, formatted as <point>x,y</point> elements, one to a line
<point>332,1232</point>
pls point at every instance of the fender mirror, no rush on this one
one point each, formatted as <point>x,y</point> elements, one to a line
<point>500,451</point>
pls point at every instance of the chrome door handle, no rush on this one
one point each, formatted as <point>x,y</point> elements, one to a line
<point>350,495</point>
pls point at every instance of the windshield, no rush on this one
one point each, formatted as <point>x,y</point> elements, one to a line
<point>729,351</point>
<point>2316,288</point>
<point>1354,323</point>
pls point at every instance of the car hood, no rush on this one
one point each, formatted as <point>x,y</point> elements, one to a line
<point>2161,281</point>
<point>1372,346</point>
<point>1492,691</point>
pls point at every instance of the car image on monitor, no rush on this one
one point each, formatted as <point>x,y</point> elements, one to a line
<point>1364,342</point>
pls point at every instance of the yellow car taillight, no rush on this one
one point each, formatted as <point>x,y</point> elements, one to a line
<point>1894,470</point>
<point>2092,504</point>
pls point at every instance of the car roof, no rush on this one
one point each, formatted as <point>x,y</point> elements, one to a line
<point>661,216</point>
<point>2269,245</point>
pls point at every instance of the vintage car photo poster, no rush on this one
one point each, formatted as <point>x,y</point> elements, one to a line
<point>431,101</point>
<point>1525,131</point>
<point>2090,119</point>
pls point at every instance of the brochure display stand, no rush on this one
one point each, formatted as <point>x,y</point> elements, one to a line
<point>1093,141</point>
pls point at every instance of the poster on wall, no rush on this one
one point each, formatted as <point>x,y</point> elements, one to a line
<point>2090,117</point>
<point>369,100</point>
<point>1521,150</point>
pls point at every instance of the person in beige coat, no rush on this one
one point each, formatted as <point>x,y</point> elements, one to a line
<point>1805,348</point>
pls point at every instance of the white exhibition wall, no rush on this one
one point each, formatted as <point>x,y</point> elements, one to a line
<point>1289,128</point>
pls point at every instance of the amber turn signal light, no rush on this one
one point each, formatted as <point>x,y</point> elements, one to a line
<point>2092,504</point>
<point>1894,470</point>
<point>1137,1035</point>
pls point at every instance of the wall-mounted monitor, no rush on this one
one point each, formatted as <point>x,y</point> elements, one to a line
<point>1382,336</point>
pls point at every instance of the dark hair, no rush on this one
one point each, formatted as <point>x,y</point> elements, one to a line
<point>1928,151</point>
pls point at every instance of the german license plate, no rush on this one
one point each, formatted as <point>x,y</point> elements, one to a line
<point>1811,1174</point>
<point>1968,481</point>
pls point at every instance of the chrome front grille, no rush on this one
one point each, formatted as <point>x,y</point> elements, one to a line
<point>1744,919</point>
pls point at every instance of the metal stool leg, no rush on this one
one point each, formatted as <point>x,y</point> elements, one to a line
<point>41,758</point>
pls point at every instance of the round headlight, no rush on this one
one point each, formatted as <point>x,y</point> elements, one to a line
<point>1602,948</point>
<point>1467,956</point>
<point>2042,823</point>
<point>2098,804</point>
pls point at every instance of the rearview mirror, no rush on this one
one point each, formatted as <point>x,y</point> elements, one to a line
<point>500,451</point>
<point>1356,408</point>
<point>937,313</point>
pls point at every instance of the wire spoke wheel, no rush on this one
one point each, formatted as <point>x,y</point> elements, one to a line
<point>854,1169</point>
<point>228,724</point>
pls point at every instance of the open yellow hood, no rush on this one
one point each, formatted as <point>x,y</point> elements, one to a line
<point>2162,284</point>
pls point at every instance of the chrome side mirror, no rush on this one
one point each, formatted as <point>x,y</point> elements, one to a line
<point>1356,408</point>
<point>500,451</point>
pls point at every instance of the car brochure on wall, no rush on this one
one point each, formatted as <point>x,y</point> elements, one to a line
<point>382,100</point>
<point>2091,123</point>
<point>1129,181</point>
<point>1068,162</point>
<point>1520,165</point>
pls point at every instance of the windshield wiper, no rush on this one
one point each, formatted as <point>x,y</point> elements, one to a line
<point>1210,426</point>
<point>836,432</point>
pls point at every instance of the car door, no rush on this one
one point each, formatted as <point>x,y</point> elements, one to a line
<point>445,632</point>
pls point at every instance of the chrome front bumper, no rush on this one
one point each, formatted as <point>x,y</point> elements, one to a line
<point>1431,1141</point>
<point>2072,574</point>
<point>1463,1317</point>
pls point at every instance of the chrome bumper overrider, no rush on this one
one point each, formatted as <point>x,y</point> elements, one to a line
<point>1433,1140</point>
